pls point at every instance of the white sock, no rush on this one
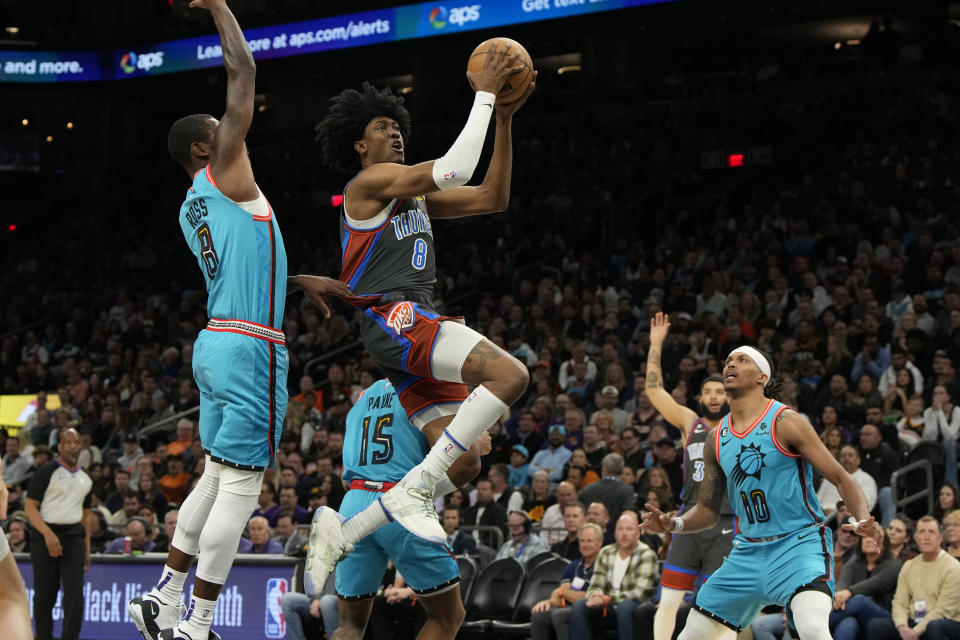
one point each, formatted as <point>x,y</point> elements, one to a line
<point>477,414</point>
<point>170,587</point>
<point>665,619</point>
<point>444,487</point>
<point>196,622</point>
<point>360,525</point>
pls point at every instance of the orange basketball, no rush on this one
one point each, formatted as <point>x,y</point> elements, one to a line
<point>517,83</point>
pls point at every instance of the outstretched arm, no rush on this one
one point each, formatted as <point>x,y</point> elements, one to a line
<point>230,166</point>
<point>706,512</point>
<point>675,413</point>
<point>493,194</point>
<point>793,430</point>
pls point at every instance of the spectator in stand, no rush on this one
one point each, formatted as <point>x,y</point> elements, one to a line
<point>175,483</point>
<point>185,431</point>
<point>459,542</point>
<point>578,459</point>
<point>941,423</point>
<point>578,355</point>
<point>593,447</point>
<point>900,534</point>
<point>90,453</point>
<point>666,457</point>
<point>527,434</point>
<point>258,540</point>
<point>138,530</point>
<point>927,599</point>
<point>948,500</point>
<point>503,492</point>
<point>574,516</point>
<point>288,502</point>
<point>864,589</point>
<point>615,496</point>
<point>880,461</point>
<point>951,533</point>
<point>131,507</point>
<point>899,362</point>
<point>550,618</point>
<point>630,443</point>
<point>944,374</point>
<point>485,513</point>
<point>910,426</point>
<point>614,587</point>
<point>832,436</point>
<point>267,503</point>
<point>850,461</point>
<point>288,536</point>
<point>540,497</point>
<point>552,457</point>
<point>131,452</point>
<point>519,467</point>
<point>169,526</point>
<point>121,484</point>
<point>552,523</point>
<point>17,536</point>
<point>607,401</point>
<point>307,388</point>
<point>16,467</point>
<point>522,544</point>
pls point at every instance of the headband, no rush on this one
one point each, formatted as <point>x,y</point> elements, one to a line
<point>757,358</point>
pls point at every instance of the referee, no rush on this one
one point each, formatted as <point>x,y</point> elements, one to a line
<point>56,506</point>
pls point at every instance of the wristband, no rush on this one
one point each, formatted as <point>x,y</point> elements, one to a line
<point>677,525</point>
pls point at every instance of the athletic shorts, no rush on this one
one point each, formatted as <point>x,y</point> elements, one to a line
<point>401,337</point>
<point>697,555</point>
<point>243,397</point>
<point>427,568</point>
<point>756,574</point>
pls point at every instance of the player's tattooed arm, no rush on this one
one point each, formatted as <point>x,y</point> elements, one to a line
<point>674,412</point>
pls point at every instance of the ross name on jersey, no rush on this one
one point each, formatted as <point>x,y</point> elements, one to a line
<point>695,450</point>
<point>411,222</point>
<point>383,401</point>
<point>196,212</point>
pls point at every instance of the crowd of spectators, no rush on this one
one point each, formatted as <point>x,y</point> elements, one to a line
<point>847,272</point>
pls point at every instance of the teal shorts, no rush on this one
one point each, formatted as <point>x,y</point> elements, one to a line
<point>427,568</point>
<point>757,574</point>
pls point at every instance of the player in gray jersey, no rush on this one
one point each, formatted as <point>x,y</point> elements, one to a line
<point>388,262</point>
<point>694,557</point>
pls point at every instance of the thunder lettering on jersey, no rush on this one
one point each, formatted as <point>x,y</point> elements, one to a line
<point>380,443</point>
<point>242,257</point>
<point>770,488</point>
<point>393,254</point>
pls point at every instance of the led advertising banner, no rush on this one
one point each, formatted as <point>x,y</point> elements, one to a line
<point>298,38</point>
<point>248,608</point>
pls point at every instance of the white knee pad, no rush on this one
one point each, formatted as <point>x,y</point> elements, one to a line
<point>700,627</point>
<point>236,501</point>
<point>196,509</point>
<point>811,614</point>
<point>451,350</point>
<point>4,546</point>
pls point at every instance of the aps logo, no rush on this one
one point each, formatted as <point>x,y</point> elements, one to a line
<point>131,61</point>
<point>458,16</point>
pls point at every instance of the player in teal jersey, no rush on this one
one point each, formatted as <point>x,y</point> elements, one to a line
<point>761,454</point>
<point>380,446</point>
<point>240,358</point>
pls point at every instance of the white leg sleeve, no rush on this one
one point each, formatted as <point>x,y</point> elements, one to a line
<point>453,346</point>
<point>236,501</point>
<point>456,166</point>
<point>700,627</point>
<point>665,619</point>
<point>811,614</point>
<point>196,509</point>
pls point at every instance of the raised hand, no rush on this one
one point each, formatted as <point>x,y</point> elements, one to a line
<point>497,67</point>
<point>866,528</point>
<point>659,327</point>
<point>656,521</point>
<point>507,110</point>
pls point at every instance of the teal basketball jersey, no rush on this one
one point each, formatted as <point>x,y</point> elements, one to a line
<point>242,257</point>
<point>380,443</point>
<point>770,487</point>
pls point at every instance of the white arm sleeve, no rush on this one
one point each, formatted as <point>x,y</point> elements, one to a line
<point>456,166</point>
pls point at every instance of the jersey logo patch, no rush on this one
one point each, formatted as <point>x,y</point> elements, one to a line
<point>749,463</point>
<point>401,317</point>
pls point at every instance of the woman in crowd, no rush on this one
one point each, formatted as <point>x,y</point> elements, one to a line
<point>866,393</point>
<point>151,494</point>
<point>910,426</point>
<point>946,501</point>
<point>897,397</point>
<point>332,488</point>
<point>864,589</point>
<point>660,498</point>
<point>900,535</point>
<point>951,533</point>
<point>541,496</point>
<point>654,478</point>
<point>833,438</point>
<point>579,459</point>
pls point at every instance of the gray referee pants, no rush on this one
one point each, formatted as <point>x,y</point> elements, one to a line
<point>50,573</point>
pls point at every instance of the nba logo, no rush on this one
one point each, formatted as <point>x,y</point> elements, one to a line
<point>275,626</point>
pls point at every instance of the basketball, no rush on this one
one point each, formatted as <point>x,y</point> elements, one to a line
<point>517,83</point>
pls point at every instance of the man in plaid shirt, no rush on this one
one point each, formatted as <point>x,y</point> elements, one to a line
<point>624,574</point>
